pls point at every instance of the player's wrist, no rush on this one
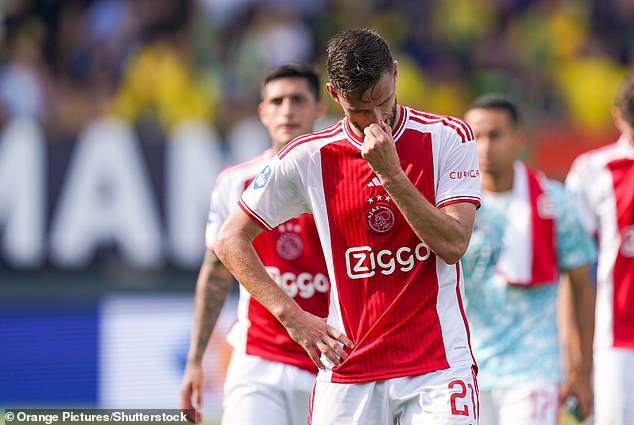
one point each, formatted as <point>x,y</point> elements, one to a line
<point>584,373</point>
<point>286,313</point>
<point>194,359</point>
<point>396,178</point>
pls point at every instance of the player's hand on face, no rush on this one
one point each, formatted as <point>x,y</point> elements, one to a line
<point>316,336</point>
<point>378,149</point>
<point>191,392</point>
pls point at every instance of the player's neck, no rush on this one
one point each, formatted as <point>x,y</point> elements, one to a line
<point>277,146</point>
<point>628,134</point>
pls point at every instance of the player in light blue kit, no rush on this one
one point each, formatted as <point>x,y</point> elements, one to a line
<point>526,235</point>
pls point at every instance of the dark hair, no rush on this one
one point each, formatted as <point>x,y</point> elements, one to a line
<point>357,59</point>
<point>493,101</point>
<point>295,71</point>
<point>625,99</point>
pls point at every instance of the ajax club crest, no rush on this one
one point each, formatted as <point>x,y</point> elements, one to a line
<point>380,217</point>
<point>289,245</point>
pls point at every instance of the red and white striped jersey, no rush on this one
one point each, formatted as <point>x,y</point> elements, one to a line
<point>291,254</point>
<point>602,182</point>
<point>400,304</point>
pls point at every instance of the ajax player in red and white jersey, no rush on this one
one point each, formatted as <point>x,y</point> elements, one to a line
<point>394,192</point>
<point>270,377</point>
<point>602,182</point>
<point>292,256</point>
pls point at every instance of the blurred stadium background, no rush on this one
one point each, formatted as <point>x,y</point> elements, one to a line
<point>117,115</point>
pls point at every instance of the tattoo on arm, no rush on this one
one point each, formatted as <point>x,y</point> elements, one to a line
<point>212,287</point>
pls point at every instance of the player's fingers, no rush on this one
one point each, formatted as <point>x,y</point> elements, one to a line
<point>368,134</point>
<point>564,391</point>
<point>186,393</point>
<point>314,355</point>
<point>192,415</point>
<point>330,352</point>
<point>385,127</point>
<point>585,406</point>
<point>197,396</point>
<point>340,336</point>
<point>584,411</point>
<point>187,407</point>
<point>338,349</point>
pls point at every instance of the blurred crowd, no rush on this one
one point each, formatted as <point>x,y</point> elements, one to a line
<point>158,63</point>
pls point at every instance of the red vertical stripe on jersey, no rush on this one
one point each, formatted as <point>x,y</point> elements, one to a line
<point>544,266</point>
<point>623,277</point>
<point>390,314</point>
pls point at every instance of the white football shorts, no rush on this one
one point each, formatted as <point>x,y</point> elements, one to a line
<point>263,392</point>
<point>445,397</point>
<point>534,403</point>
<point>613,386</point>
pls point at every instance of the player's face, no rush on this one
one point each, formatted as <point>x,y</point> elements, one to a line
<point>498,139</point>
<point>376,104</point>
<point>288,109</point>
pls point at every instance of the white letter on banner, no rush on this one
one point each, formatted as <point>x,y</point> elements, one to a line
<point>194,160</point>
<point>107,198</point>
<point>22,195</point>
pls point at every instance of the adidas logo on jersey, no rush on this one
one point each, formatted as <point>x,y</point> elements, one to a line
<point>375,182</point>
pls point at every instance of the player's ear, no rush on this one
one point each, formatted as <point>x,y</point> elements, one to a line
<point>395,70</point>
<point>261,111</point>
<point>332,92</point>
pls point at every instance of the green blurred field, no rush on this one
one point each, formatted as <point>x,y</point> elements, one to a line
<point>566,419</point>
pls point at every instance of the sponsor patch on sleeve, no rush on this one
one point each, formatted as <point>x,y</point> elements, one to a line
<point>262,178</point>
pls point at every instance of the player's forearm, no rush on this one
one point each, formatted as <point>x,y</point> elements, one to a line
<point>567,328</point>
<point>212,287</point>
<point>236,251</point>
<point>445,235</point>
<point>583,299</point>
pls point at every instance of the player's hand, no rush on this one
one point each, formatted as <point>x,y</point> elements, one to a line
<point>379,150</point>
<point>191,391</point>
<point>317,337</point>
<point>580,387</point>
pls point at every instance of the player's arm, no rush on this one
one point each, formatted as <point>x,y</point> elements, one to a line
<point>576,322</point>
<point>212,287</point>
<point>446,231</point>
<point>234,247</point>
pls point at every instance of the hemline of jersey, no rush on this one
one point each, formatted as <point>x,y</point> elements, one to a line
<point>259,220</point>
<point>460,199</point>
<point>339,379</point>
<point>263,355</point>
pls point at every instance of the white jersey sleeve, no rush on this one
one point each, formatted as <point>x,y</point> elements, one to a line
<point>226,193</point>
<point>459,175</point>
<point>579,178</point>
<point>276,192</point>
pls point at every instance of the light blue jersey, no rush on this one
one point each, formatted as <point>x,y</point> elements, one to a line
<point>514,329</point>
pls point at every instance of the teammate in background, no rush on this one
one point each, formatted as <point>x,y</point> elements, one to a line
<point>394,211</point>
<point>602,184</point>
<point>270,377</point>
<point>525,235</point>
